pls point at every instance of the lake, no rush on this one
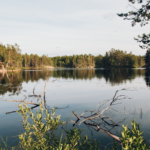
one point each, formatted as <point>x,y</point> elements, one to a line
<point>78,90</point>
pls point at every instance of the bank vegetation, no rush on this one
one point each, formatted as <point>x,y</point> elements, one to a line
<point>11,58</point>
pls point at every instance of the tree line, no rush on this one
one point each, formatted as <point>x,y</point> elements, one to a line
<point>112,58</point>
<point>11,56</point>
<point>75,61</point>
<point>119,58</point>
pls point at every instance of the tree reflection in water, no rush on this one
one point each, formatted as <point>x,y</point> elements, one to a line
<point>12,81</point>
<point>147,77</point>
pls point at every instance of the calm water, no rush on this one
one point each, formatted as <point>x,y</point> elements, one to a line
<point>77,90</point>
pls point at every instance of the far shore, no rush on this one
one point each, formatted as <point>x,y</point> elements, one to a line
<point>51,67</point>
<point>24,68</point>
<point>10,70</point>
<point>3,70</point>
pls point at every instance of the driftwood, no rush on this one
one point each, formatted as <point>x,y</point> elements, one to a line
<point>98,129</point>
<point>78,118</point>
<point>36,105</point>
<point>22,102</point>
<point>34,95</point>
<point>76,115</point>
<point>19,110</point>
<point>76,122</point>
<point>98,121</point>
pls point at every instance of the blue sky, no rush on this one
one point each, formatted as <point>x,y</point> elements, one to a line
<point>67,27</point>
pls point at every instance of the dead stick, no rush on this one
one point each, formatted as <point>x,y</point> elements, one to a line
<point>97,115</point>
<point>76,115</point>
<point>75,122</point>
<point>112,135</point>
<point>19,110</point>
<point>22,101</point>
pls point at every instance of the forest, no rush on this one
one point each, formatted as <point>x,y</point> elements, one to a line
<point>11,56</point>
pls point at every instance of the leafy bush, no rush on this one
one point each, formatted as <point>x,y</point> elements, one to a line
<point>132,139</point>
<point>39,135</point>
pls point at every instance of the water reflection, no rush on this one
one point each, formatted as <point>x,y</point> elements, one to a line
<point>147,77</point>
<point>12,81</point>
<point>77,95</point>
<point>119,76</point>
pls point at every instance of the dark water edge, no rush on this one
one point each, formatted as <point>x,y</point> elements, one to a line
<point>113,76</point>
<point>81,89</point>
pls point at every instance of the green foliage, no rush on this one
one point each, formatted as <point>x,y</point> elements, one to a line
<point>145,40</point>
<point>75,61</point>
<point>39,135</point>
<point>115,146</point>
<point>133,139</point>
<point>36,61</point>
<point>113,58</point>
<point>12,58</point>
<point>140,15</point>
<point>4,144</point>
<point>118,58</point>
<point>11,55</point>
<point>75,141</point>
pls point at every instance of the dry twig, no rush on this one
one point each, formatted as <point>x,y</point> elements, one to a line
<point>100,122</point>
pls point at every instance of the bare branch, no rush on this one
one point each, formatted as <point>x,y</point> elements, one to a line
<point>22,101</point>
<point>97,120</point>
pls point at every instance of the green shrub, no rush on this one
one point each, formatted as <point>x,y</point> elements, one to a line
<point>39,135</point>
<point>132,139</point>
<point>3,144</point>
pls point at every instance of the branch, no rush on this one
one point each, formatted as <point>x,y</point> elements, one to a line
<point>22,101</point>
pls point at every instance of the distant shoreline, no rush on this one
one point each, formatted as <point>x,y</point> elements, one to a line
<point>24,68</point>
<point>10,70</point>
<point>3,70</point>
<point>50,67</point>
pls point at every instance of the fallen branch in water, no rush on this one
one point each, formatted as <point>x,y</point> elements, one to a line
<point>98,120</point>
<point>34,95</point>
<point>98,129</point>
<point>36,105</point>
<point>22,102</point>
<point>76,115</point>
<point>19,110</point>
<point>34,89</point>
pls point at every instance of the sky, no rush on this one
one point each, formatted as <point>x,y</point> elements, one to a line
<point>67,27</point>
